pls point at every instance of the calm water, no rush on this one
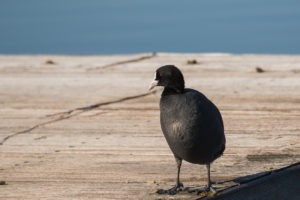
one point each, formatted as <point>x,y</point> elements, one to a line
<point>134,26</point>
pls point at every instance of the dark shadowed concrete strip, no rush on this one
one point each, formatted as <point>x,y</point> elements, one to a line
<point>280,184</point>
<point>71,113</point>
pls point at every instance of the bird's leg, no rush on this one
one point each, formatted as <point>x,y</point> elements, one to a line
<point>209,187</point>
<point>178,187</point>
<point>208,175</point>
<point>178,162</point>
<point>206,189</point>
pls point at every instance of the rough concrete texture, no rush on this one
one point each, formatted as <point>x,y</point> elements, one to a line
<point>57,145</point>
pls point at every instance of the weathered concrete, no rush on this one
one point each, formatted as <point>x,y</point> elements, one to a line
<point>116,150</point>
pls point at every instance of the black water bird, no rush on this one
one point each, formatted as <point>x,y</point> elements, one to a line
<point>191,123</point>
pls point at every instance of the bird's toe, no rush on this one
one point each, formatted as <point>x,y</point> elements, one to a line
<point>172,191</point>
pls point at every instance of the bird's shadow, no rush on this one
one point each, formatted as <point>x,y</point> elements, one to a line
<point>238,188</point>
<point>223,185</point>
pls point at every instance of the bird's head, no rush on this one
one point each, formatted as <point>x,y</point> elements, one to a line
<point>169,77</point>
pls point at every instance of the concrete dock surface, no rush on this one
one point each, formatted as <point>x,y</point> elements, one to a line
<point>86,127</point>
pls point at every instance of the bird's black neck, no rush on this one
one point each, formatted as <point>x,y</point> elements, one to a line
<point>171,91</point>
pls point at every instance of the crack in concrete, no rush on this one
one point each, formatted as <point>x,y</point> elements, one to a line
<point>124,62</point>
<point>77,111</point>
<point>71,113</point>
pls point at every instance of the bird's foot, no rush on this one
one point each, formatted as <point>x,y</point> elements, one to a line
<point>210,189</point>
<point>172,191</point>
<point>205,190</point>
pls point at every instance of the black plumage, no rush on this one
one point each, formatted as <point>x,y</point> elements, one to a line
<point>191,123</point>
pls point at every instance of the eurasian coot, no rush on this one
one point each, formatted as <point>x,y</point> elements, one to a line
<point>191,123</point>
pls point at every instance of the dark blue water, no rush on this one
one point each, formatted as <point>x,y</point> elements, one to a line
<point>134,26</point>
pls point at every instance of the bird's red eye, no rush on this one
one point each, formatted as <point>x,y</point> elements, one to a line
<point>160,74</point>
